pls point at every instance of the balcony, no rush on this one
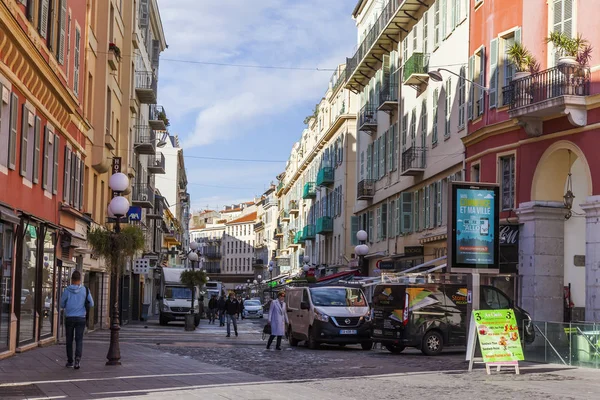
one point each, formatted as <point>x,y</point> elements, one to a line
<point>145,87</point>
<point>280,188</point>
<point>324,225</point>
<point>415,70</point>
<point>308,233</point>
<point>284,216</point>
<point>325,176</point>
<point>142,195</point>
<point>388,98</point>
<point>367,119</point>
<point>157,118</point>
<point>156,164</point>
<point>294,208</point>
<point>310,191</point>
<point>365,189</point>
<point>396,19</point>
<point>259,226</point>
<point>413,161</point>
<point>283,261</point>
<point>145,140</point>
<point>210,269</point>
<point>550,93</point>
<point>109,141</point>
<point>297,239</point>
<point>212,255</point>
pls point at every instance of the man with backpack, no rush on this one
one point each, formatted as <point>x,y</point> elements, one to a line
<point>76,301</point>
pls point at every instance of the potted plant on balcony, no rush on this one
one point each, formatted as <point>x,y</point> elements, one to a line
<point>116,51</point>
<point>525,65</point>
<point>567,47</point>
<point>574,56</point>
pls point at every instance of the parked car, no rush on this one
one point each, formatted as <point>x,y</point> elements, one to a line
<point>328,314</point>
<point>433,316</point>
<point>253,309</point>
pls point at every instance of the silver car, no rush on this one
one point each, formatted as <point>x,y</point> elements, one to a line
<point>253,309</point>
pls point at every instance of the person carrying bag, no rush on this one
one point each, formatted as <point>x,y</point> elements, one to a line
<point>278,320</point>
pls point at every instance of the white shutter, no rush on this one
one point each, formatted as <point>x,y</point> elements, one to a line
<point>398,216</point>
<point>472,88</point>
<point>425,31</point>
<point>493,93</point>
<point>144,13</point>
<point>43,23</point>
<point>55,167</point>
<point>434,132</point>
<point>448,106</point>
<point>77,56</point>
<point>382,155</point>
<point>390,148</point>
<point>67,176</point>
<point>36,150</point>
<point>62,31</point>
<point>436,24</point>
<point>424,123</point>
<point>482,81</point>
<point>12,138</point>
<point>444,18</point>
<point>24,140</point>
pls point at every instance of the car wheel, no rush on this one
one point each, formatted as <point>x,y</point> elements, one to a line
<point>432,344</point>
<point>162,320</point>
<point>293,341</point>
<point>312,340</point>
<point>366,345</point>
<point>395,348</point>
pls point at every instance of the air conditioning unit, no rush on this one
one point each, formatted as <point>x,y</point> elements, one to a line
<point>144,197</point>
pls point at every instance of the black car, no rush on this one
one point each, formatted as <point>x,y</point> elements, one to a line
<point>432,316</point>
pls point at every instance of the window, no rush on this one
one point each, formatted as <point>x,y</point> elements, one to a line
<point>376,159</point>
<point>405,49</point>
<point>50,163</point>
<point>434,133</point>
<point>398,217</point>
<point>73,179</point>
<point>437,203</point>
<point>448,107</point>
<point>462,98</point>
<point>475,173</point>
<point>370,227</point>
<point>390,221</point>
<point>477,74</point>
<point>427,211</point>
<point>562,19</point>
<point>30,145</point>
<point>424,124</point>
<point>425,33</point>
<point>416,209</point>
<point>502,70</point>
<point>444,10</point>
<point>379,225</point>
<point>4,128</point>
<point>390,148</point>
<point>384,220</point>
<point>76,62</point>
<point>507,185</point>
<point>436,25</point>
<point>62,22</point>
<point>382,142</point>
<point>415,37</point>
<point>354,230</point>
<point>406,212</point>
<point>413,127</point>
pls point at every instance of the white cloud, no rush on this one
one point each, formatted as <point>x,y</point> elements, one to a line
<point>226,101</point>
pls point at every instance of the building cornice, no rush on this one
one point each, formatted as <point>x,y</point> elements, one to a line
<point>488,131</point>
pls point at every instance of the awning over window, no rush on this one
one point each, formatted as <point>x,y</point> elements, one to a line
<point>7,215</point>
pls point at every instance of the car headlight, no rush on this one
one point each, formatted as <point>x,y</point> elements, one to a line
<point>321,316</point>
<point>366,317</point>
<point>165,308</point>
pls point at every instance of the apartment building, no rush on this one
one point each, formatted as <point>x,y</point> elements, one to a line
<point>265,240</point>
<point>535,134</point>
<point>41,125</point>
<point>410,125</point>
<point>316,191</point>
<point>238,245</point>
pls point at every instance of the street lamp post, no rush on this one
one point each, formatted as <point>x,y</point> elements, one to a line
<point>271,266</point>
<point>190,323</point>
<point>117,207</point>
<point>361,251</point>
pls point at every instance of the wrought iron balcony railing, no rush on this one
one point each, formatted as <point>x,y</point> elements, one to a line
<point>294,208</point>
<point>415,69</point>
<point>157,118</point>
<point>310,190</point>
<point>325,176</point>
<point>324,225</point>
<point>388,98</point>
<point>367,118</point>
<point>142,195</point>
<point>145,139</point>
<point>146,86</point>
<point>156,164</point>
<point>365,189</point>
<point>413,161</point>
<point>308,232</point>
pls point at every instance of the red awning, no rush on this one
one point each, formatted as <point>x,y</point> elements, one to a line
<point>339,275</point>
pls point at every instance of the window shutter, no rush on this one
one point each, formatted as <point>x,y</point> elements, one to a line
<point>24,140</point>
<point>384,219</point>
<point>46,165</point>
<point>472,88</point>
<point>67,176</point>
<point>416,211</point>
<point>406,212</point>
<point>413,127</point>
<point>36,149</point>
<point>77,56</point>
<point>444,18</point>
<point>155,54</point>
<point>370,227</point>
<point>386,72</point>
<point>376,159</point>
<point>395,146</point>
<point>448,106</point>
<point>341,158</point>
<point>398,216</point>
<point>369,161</point>
<point>517,35</point>
<point>55,168</point>
<point>404,130</point>
<point>382,155</point>
<point>436,25</point>
<point>427,208</point>
<point>493,93</point>
<point>12,139</point>
<point>43,16</point>
<point>62,30</point>
<point>144,13</point>
<point>482,81</point>
<point>434,132</point>
<point>425,30</point>
<point>390,149</point>
<point>362,165</point>
<point>423,123</point>
<point>462,94</point>
<point>454,14</point>
<point>353,230</point>
<point>439,203</point>
<point>74,181</point>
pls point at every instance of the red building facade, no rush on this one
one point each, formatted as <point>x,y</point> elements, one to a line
<point>42,152</point>
<point>536,135</point>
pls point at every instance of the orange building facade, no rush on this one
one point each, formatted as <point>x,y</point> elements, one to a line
<point>536,134</point>
<point>42,153</point>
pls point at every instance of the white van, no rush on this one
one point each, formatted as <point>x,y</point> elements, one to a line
<point>175,299</point>
<point>328,314</point>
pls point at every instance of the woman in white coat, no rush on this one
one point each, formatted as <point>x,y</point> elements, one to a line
<point>278,320</point>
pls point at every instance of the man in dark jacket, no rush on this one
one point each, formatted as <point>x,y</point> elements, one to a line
<point>232,307</point>
<point>212,309</point>
<point>221,308</point>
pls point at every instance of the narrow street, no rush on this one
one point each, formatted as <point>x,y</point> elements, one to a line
<point>166,362</point>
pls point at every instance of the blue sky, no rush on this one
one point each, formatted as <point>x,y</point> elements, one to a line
<point>246,113</point>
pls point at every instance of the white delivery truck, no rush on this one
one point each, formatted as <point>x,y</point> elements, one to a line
<point>175,299</point>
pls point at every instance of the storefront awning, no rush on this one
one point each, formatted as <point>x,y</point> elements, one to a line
<point>8,215</point>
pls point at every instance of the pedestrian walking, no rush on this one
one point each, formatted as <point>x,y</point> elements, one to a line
<point>278,320</point>
<point>241,307</point>
<point>76,301</point>
<point>212,309</point>
<point>221,309</point>
<point>232,307</point>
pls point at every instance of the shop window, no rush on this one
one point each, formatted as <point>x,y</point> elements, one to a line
<point>48,290</point>
<point>6,261</point>
<point>28,273</point>
<point>507,183</point>
<point>475,173</point>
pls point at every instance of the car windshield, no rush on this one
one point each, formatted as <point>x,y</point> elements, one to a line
<point>177,293</point>
<point>338,297</point>
<point>251,303</point>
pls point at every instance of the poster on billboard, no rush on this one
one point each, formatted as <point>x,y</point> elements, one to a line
<point>473,240</point>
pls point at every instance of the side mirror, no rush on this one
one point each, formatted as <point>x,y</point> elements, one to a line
<point>304,306</point>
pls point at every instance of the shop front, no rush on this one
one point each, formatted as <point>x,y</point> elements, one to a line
<point>8,222</point>
<point>36,282</point>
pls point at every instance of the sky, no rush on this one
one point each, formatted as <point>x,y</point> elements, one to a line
<point>247,113</point>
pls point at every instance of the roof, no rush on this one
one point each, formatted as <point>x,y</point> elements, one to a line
<point>245,218</point>
<point>232,210</point>
<point>358,8</point>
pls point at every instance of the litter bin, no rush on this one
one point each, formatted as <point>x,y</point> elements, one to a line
<point>145,308</point>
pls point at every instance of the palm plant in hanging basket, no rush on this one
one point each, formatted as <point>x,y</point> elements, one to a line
<point>115,247</point>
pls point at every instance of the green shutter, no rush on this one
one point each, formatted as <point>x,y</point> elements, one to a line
<point>493,92</point>
<point>390,221</point>
<point>434,132</point>
<point>416,211</point>
<point>369,161</point>
<point>427,208</point>
<point>384,219</point>
<point>353,230</point>
<point>370,230</point>
<point>406,212</point>
<point>398,216</point>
